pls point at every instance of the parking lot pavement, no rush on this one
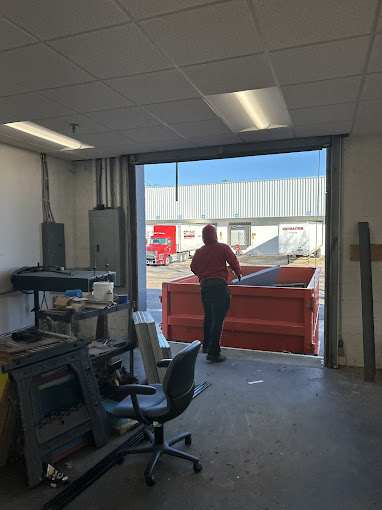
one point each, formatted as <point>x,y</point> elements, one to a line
<point>154,305</point>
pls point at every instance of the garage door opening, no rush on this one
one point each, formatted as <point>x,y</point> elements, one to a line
<point>269,209</point>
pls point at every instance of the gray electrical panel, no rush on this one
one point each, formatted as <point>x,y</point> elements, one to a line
<point>107,241</point>
<point>53,244</point>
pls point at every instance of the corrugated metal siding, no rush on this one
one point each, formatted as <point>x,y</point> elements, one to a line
<point>249,199</point>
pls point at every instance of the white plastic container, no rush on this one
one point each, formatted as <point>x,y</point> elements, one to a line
<point>103,291</point>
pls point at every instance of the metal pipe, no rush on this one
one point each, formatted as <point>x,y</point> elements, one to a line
<point>176,181</point>
<point>106,184</point>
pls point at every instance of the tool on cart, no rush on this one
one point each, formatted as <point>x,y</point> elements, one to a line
<point>48,278</point>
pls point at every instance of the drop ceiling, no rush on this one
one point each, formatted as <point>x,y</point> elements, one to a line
<point>133,74</point>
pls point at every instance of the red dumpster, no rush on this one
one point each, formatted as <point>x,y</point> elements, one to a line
<point>278,318</point>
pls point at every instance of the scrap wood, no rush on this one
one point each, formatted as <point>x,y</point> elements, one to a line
<point>153,345</point>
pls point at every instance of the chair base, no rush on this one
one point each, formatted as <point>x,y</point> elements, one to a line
<point>160,447</point>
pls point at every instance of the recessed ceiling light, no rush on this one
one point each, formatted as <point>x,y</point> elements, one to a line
<point>47,134</point>
<point>251,110</point>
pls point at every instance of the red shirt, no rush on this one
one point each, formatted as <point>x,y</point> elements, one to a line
<point>210,261</point>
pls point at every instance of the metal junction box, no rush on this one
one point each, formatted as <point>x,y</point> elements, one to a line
<point>53,244</point>
<point>107,241</point>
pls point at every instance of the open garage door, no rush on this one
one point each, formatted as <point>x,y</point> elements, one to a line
<point>239,234</point>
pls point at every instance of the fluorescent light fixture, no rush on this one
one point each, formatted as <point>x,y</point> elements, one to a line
<point>251,110</point>
<point>47,134</point>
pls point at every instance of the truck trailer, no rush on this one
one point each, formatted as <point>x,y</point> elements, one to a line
<point>301,239</point>
<point>173,243</point>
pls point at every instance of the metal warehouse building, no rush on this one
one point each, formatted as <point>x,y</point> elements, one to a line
<point>248,213</point>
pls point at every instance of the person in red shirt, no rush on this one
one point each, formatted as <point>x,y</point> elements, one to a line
<point>210,265</point>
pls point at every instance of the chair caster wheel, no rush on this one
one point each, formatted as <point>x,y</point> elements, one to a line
<point>197,467</point>
<point>150,480</point>
<point>188,441</point>
<point>120,459</point>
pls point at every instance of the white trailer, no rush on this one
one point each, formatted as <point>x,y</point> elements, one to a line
<point>189,237</point>
<point>301,239</point>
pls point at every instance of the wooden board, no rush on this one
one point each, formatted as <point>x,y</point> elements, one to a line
<point>376,252</point>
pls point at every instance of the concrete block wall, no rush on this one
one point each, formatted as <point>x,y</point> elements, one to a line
<point>362,201</point>
<point>21,217</point>
<point>84,200</point>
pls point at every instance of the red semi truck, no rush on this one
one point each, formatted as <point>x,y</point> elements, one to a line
<point>173,243</point>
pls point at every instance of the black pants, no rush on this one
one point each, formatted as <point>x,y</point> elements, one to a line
<point>216,301</point>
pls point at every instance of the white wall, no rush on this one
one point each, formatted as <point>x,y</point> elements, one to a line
<point>362,201</point>
<point>20,223</point>
<point>263,234</point>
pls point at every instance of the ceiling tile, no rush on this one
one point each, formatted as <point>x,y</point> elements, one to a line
<point>106,139</point>
<point>12,37</point>
<point>88,97</point>
<point>208,33</point>
<point>129,148</point>
<point>340,90</point>
<point>232,75</point>
<point>148,88</point>
<point>322,114</point>
<point>28,107</point>
<point>107,152</point>
<point>375,62</point>
<point>9,88</point>
<point>320,61</point>
<point>328,128</point>
<point>208,141</point>
<point>38,67</point>
<point>139,9</point>
<point>100,52</point>
<point>267,134</point>
<point>188,110</point>
<point>86,154</point>
<point>202,128</point>
<point>295,22</point>
<point>168,146</point>
<point>48,19</point>
<point>372,88</point>
<point>151,134</point>
<point>369,118</point>
<point>125,118</point>
<point>63,125</point>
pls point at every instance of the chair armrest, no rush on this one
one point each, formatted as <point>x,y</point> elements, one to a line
<point>163,363</point>
<point>135,389</point>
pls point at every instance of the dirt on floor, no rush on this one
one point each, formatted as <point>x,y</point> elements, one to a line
<point>156,275</point>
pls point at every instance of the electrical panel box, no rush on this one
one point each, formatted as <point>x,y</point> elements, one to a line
<point>53,244</point>
<point>107,242</point>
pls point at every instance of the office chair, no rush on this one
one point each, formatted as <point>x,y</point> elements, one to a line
<point>158,403</point>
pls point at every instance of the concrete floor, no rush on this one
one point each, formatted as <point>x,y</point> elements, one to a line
<point>306,438</point>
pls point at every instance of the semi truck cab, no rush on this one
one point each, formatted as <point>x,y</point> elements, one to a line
<point>159,249</point>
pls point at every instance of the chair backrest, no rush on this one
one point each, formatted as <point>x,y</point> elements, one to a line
<point>178,383</point>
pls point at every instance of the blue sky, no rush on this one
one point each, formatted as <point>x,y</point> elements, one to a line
<point>273,166</point>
